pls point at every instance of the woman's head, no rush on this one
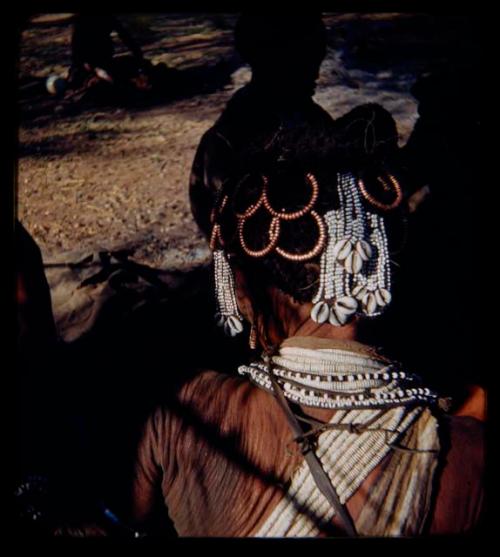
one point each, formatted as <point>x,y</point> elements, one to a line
<point>285,207</point>
<point>285,51</point>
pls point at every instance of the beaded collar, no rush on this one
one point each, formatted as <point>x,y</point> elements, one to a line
<point>338,375</point>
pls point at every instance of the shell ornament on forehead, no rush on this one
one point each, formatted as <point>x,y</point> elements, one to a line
<point>354,268</point>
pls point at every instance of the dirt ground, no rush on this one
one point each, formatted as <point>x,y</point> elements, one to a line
<point>102,177</point>
<point>111,176</point>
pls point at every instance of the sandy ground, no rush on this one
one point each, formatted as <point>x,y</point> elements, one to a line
<point>111,176</point>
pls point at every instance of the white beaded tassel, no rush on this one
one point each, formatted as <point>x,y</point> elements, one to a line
<point>373,289</point>
<point>331,273</point>
<point>228,315</point>
<point>354,271</point>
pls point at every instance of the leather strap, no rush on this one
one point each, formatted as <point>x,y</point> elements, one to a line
<point>318,473</point>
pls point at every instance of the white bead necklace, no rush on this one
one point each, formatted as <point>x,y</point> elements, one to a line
<point>338,379</point>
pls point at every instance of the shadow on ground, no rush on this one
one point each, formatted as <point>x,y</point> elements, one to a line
<point>82,414</point>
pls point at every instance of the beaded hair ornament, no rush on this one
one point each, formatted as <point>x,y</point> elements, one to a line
<point>354,268</point>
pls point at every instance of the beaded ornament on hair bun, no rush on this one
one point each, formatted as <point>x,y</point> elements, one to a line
<point>354,268</point>
<point>355,275</point>
<point>283,215</point>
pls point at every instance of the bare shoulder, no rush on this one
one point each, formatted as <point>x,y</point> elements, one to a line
<point>206,382</point>
<point>209,390</point>
<point>229,401</point>
<point>190,393</point>
<point>213,395</point>
<point>460,486</point>
<point>466,445</point>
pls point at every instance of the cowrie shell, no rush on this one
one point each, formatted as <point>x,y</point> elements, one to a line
<point>370,303</point>
<point>345,305</point>
<point>383,296</point>
<point>233,326</point>
<point>228,331</point>
<point>235,323</point>
<point>342,249</point>
<point>359,291</point>
<point>320,312</point>
<point>336,319</point>
<point>353,263</point>
<point>364,249</point>
<point>219,319</point>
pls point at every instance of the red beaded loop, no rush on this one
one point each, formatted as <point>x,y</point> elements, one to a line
<point>274,230</point>
<point>283,215</point>
<point>387,187</point>
<point>249,211</point>
<point>316,250</point>
<point>215,237</point>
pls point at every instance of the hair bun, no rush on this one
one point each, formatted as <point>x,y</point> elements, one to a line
<point>366,135</point>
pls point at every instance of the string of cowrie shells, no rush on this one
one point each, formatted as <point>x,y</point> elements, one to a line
<point>227,314</point>
<point>354,268</point>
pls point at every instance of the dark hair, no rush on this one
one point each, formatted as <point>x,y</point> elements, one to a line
<point>284,52</point>
<point>261,39</point>
<point>364,142</point>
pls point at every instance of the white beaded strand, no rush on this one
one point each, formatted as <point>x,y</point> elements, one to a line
<point>335,380</point>
<point>227,314</point>
<point>354,267</point>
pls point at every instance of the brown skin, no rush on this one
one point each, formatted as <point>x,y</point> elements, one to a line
<point>459,496</point>
<point>475,405</point>
<point>285,317</point>
<point>215,448</point>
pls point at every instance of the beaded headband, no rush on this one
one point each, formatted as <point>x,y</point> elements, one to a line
<point>354,269</point>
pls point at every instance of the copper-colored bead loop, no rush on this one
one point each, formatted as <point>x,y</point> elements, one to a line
<point>223,204</point>
<point>274,230</point>
<point>316,250</point>
<point>389,184</point>
<point>283,215</point>
<point>249,211</point>
<point>277,217</point>
<point>214,237</point>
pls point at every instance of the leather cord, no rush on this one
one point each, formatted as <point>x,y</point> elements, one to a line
<point>306,445</point>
